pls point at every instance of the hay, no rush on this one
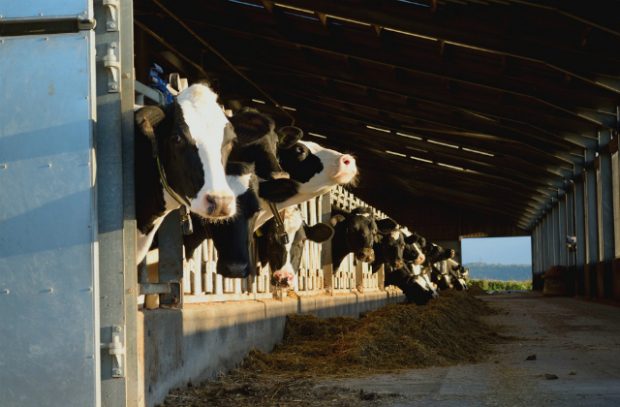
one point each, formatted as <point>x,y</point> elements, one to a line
<point>400,336</point>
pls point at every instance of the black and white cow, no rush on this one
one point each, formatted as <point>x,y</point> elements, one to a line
<point>415,284</point>
<point>193,138</point>
<point>391,251</point>
<point>231,238</point>
<point>284,259</point>
<point>358,232</point>
<point>316,168</point>
<point>257,142</point>
<point>389,248</point>
<point>354,232</point>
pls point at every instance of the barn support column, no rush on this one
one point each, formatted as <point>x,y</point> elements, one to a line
<point>115,200</point>
<point>537,268</point>
<point>326,252</point>
<point>569,204</point>
<point>591,232</point>
<point>580,233</point>
<point>555,220</point>
<point>563,259</point>
<point>604,217</point>
<point>615,175</point>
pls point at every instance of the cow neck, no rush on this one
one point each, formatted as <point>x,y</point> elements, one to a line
<point>186,220</point>
<point>340,247</point>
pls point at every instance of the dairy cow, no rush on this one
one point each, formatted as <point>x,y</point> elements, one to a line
<point>231,238</point>
<point>316,168</point>
<point>191,139</point>
<point>285,259</point>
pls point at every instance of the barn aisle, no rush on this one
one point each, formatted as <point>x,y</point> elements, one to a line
<point>574,345</point>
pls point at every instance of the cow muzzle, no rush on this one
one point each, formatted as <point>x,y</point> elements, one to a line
<point>367,255</point>
<point>220,205</point>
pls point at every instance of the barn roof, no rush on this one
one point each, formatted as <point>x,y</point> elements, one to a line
<point>466,116</point>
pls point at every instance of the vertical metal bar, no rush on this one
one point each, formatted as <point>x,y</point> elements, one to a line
<point>326,253</point>
<point>171,258</point>
<point>563,254</point>
<point>605,214</point>
<point>115,183</point>
<point>591,232</point>
<point>580,232</point>
<point>615,171</point>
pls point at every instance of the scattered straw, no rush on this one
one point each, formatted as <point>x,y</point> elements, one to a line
<point>400,336</point>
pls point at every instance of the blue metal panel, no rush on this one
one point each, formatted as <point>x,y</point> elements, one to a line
<point>48,302</point>
<point>45,8</point>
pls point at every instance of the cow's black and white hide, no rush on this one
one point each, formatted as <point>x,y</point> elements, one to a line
<point>316,168</point>
<point>389,245</point>
<point>231,237</point>
<point>284,259</point>
<point>257,143</point>
<point>412,282</point>
<point>354,232</point>
<point>193,139</point>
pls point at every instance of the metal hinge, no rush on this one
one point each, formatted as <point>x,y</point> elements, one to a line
<point>112,7</point>
<point>116,349</point>
<point>113,67</point>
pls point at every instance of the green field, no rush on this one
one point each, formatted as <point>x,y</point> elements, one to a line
<point>496,285</point>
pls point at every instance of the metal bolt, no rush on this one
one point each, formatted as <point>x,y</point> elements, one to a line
<point>49,165</point>
<point>3,166</point>
<point>5,291</point>
<point>113,86</point>
<point>111,24</point>
<point>116,329</point>
<point>48,290</point>
<point>116,371</point>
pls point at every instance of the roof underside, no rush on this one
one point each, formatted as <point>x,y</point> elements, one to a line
<point>466,116</point>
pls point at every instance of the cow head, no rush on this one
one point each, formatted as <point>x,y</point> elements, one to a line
<point>356,232</point>
<point>231,238</point>
<point>285,259</point>
<point>414,284</point>
<point>316,167</point>
<point>413,253</point>
<point>391,243</point>
<point>193,139</point>
<point>257,142</point>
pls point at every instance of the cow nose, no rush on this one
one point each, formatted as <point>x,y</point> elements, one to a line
<point>233,270</point>
<point>220,205</point>
<point>347,160</point>
<point>279,175</point>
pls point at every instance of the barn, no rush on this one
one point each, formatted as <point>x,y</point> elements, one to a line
<point>464,118</point>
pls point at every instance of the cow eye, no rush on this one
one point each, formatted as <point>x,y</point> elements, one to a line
<point>177,138</point>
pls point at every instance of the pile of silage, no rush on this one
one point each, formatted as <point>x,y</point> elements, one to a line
<point>448,330</point>
<point>399,336</point>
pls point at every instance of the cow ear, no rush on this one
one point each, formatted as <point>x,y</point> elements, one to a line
<point>289,135</point>
<point>147,118</point>
<point>412,238</point>
<point>386,225</point>
<point>334,220</point>
<point>251,125</point>
<point>319,232</point>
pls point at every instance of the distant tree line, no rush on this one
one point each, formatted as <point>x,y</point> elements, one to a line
<point>504,272</point>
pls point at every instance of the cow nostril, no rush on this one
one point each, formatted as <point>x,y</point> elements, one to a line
<point>220,205</point>
<point>347,159</point>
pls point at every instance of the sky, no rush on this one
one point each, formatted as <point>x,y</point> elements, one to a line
<point>498,250</point>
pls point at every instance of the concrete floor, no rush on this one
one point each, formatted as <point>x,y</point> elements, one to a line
<point>577,348</point>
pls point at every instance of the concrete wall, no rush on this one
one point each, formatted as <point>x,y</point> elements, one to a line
<point>178,346</point>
